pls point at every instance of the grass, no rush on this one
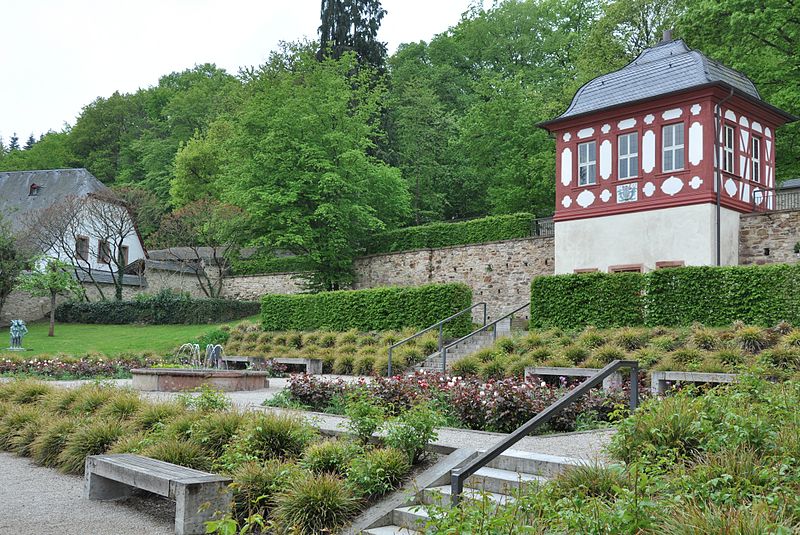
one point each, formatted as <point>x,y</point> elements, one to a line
<point>111,340</point>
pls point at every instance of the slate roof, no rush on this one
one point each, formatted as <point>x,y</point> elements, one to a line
<point>16,203</point>
<point>663,69</point>
<point>792,183</point>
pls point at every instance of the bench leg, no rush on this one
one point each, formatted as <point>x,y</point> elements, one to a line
<point>314,367</point>
<point>101,488</point>
<point>197,503</point>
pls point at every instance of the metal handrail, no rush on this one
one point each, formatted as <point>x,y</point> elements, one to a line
<point>459,475</point>
<point>440,326</point>
<point>443,350</point>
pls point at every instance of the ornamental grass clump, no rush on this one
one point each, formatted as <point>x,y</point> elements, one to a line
<point>575,353</point>
<point>93,438</point>
<point>123,406</point>
<point>608,353</point>
<point>216,430</point>
<point>751,339</point>
<point>330,456</point>
<point>153,415</point>
<point>255,485</point>
<point>313,505</point>
<point>30,392</point>
<point>631,339</point>
<point>466,366</point>
<point>180,452</point>
<point>15,420</point>
<point>51,440</point>
<point>269,436</point>
<point>91,398</point>
<point>591,480</point>
<point>705,339</point>
<point>377,471</point>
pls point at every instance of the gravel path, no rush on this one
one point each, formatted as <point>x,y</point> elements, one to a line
<point>39,501</point>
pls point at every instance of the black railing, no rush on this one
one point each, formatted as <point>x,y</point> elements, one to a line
<point>486,327</point>
<point>542,227</point>
<point>459,475</point>
<point>769,200</point>
<point>440,325</point>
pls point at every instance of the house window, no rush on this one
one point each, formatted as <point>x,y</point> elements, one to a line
<point>625,268</point>
<point>756,159</point>
<point>587,163</point>
<point>729,137</point>
<point>669,264</point>
<point>628,150</point>
<point>82,248</point>
<point>672,147</point>
<point>123,256</point>
<point>103,252</point>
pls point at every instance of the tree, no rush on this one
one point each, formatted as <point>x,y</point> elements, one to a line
<point>352,26</point>
<point>13,143</point>
<point>298,161</point>
<point>145,208</point>
<point>50,152</point>
<point>50,277</point>
<point>12,261</point>
<point>30,143</point>
<point>203,236</point>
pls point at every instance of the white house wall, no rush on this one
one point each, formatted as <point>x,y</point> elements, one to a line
<point>684,233</point>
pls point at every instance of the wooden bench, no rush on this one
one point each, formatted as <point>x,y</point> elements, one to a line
<point>658,380</point>
<point>313,366</point>
<point>198,495</point>
<point>612,382</point>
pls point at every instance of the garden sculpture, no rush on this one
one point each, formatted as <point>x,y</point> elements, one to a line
<point>18,330</point>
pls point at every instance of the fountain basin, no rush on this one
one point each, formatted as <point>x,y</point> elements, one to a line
<point>180,379</point>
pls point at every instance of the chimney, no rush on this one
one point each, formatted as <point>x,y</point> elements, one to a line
<point>667,37</point>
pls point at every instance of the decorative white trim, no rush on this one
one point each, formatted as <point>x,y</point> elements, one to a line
<point>605,159</point>
<point>696,182</point>
<point>605,195</point>
<point>649,118</point>
<point>585,198</point>
<point>744,122</point>
<point>755,125</point>
<point>730,187</point>
<point>649,189</point>
<point>648,151</point>
<point>767,132</point>
<point>626,123</point>
<point>567,136</point>
<point>566,166</point>
<point>672,185</point>
<point>674,113</point>
<point>730,115</point>
<point>585,132</point>
<point>695,109</point>
<point>566,202</point>
<point>696,143</point>
<point>606,128</point>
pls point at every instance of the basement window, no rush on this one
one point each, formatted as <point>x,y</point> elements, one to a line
<point>626,268</point>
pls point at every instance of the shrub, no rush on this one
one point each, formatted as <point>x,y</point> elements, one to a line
<point>369,310</point>
<point>705,339</point>
<point>591,339</point>
<point>314,392</point>
<point>364,417</point>
<point>158,309</point>
<point>466,366</point>
<point>751,339</point>
<point>440,234</point>
<point>93,438</point>
<point>255,485</point>
<point>268,436</point>
<point>364,365</point>
<point>608,353</point>
<point>495,369</point>
<point>631,339</point>
<point>591,480</point>
<point>575,354</point>
<point>262,263</point>
<point>343,365</point>
<point>413,430</point>
<point>377,471</point>
<point>314,504</point>
<point>47,446</point>
<point>330,456</point>
<point>180,452</point>
<point>207,399</point>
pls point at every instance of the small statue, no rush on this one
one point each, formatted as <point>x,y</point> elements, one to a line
<point>18,330</point>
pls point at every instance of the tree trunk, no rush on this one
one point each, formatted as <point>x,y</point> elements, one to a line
<point>52,314</point>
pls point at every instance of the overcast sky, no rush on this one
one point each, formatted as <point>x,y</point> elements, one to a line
<point>59,55</point>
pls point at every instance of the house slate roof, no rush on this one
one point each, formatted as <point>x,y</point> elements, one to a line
<point>792,183</point>
<point>666,68</point>
<point>16,203</point>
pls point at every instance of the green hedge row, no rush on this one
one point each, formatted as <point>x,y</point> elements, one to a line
<point>762,295</point>
<point>257,265</point>
<point>158,310</point>
<point>433,235</point>
<point>375,309</point>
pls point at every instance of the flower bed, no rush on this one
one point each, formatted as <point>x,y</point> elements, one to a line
<point>286,477</point>
<point>500,405</point>
<point>68,367</point>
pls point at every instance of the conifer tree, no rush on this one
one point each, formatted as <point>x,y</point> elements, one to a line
<point>13,143</point>
<point>31,142</point>
<point>352,26</point>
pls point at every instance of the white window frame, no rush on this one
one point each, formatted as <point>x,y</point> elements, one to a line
<point>584,163</point>
<point>673,149</point>
<point>729,149</point>
<point>755,155</point>
<point>628,156</point>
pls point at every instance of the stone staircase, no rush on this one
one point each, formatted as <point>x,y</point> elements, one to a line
<point>473,344</point>
<point>497,481</point>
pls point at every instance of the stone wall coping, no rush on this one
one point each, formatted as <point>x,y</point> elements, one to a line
<point>254,275</point>
<point>203,372</point>
<point>770,212</point>
<point>450,247</point>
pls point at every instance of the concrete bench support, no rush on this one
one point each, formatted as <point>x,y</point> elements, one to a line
<point>658,380</point>
<point>199,496</point>
<point>313,366</point>
<point>612,382</point>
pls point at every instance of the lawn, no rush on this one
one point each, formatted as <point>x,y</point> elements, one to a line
<point>79,339</point>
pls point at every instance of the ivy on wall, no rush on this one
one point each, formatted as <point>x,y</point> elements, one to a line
<point>761,295</point>
<point>374,309</point>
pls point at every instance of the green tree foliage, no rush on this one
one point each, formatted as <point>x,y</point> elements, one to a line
<point>297,159</point>
<point>50,152</point>
<point>30,142</point>
<point>12,261</point>
<point>50,277</point>
<point>13,143</point>
<point>352,26</point>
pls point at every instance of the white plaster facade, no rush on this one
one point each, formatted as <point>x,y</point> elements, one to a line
<point>680,234</point>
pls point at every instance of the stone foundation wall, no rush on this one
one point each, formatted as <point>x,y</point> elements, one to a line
<point>252,287</point>
<point>769,238</point>
<point>499,273</point>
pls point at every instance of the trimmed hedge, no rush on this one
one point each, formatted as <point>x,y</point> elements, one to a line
<point>716,296</point>
<point>376,309</point>
<point>433,235</point>
<point>257,265</point>
<point>158,310</point>
<point>600,299</point>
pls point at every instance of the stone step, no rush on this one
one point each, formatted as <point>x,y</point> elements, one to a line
<point>533,463</point>
<point>391,530</point>
<point>411,517</point>
<point>501,481</point>
<point>441,496</point>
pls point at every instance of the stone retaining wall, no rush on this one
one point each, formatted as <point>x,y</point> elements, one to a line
<point>769,238</point>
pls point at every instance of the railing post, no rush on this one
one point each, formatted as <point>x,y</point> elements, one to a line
<point>634,387</point>
<point>441,339</point>
<point>456,487</point>
<point>494,332</point>
<point>444,360</point>
<point>390,362</point>
<point>485,317</point>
